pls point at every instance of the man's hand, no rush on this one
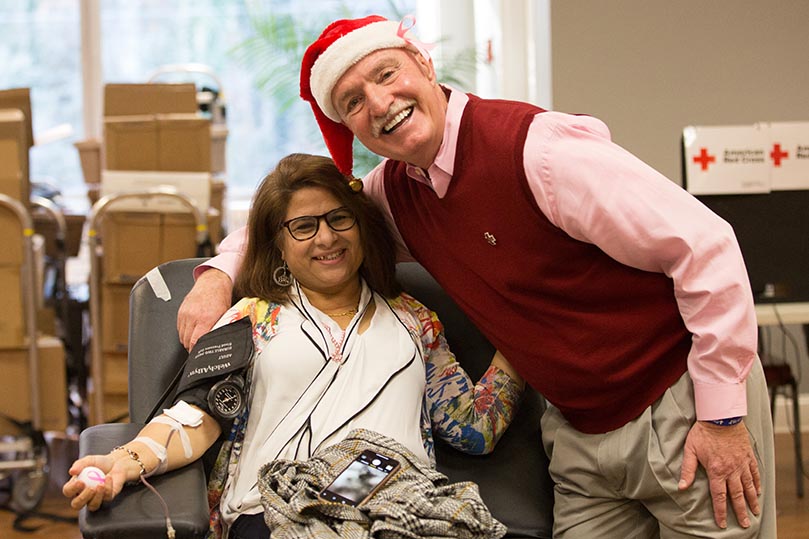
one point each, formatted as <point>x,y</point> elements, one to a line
<point>203,306</point>
<point>728,459</point>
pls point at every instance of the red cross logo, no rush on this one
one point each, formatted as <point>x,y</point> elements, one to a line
<point>704,158</point>
<point>777,155</point>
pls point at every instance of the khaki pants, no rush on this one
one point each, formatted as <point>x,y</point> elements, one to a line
<point>623,484</point>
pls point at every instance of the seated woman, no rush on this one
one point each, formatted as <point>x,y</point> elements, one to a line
<point>338,347</point>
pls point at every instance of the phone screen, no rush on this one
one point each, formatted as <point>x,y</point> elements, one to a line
<point>364,476</point>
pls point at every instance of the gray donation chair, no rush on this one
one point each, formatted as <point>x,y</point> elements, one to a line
<point>513,480</point>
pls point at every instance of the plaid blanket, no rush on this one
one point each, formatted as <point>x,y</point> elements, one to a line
<point>416,502</point>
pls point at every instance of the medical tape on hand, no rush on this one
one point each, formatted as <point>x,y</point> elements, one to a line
<point>175,425</point>
<point>159,451</point>
<point>185,414</point>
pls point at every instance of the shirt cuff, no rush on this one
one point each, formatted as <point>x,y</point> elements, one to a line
<point>227,262</point>
<point>719,401</point>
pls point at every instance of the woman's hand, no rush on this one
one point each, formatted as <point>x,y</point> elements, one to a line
<point>502,363</point>
<point>117,470</point>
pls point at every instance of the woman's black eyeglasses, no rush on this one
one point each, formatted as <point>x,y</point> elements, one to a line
<point>305,227</point>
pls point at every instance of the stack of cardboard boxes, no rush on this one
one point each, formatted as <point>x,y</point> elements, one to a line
<point>157,127</point>
<point>16,138</point>
<point>147,128</point>
<point>133,117</point>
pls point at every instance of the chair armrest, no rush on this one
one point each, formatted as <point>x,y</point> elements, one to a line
<point>513,480</point>
<point>136,513</point>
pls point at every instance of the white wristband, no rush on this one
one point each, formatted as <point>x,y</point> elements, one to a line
<point>158,450</point>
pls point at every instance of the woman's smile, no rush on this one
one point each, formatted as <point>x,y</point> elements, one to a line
<point>331,258</point>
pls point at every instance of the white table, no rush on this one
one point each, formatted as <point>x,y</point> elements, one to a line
<point>789,313</point>
<point>772,314</point>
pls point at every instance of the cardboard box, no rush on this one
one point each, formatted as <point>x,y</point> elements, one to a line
<point>168,142</point>
<point>11,238</point>
<point>116,374</point>
<point>216,212</point>
<point>10,166</point>
<point>12,323</point>
<point>13,155</point>
<point>46,320</point>
<point>216,232</point>
<point>20,99</point>
<point>115,317</point>
<point>130,143</point>
<point>15,393</point>
<point>90,156</point>
<point>184,143</point>
<point>45,225</point>
<point>11,183</point>
<point>218,189</point>
<point>116,408</point>
<point>127,99</point>
<point>135,242</point>
<point>93,194</point>
<point>219,138</point>
<point>131,245</point>
<point>179,237</point>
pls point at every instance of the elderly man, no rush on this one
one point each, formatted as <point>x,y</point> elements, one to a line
<point>614,292</point>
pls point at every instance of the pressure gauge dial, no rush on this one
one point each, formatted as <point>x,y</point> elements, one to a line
<point>226,399</point>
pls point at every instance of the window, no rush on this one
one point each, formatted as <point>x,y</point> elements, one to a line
<point>239,40</point>
<point>40,50</point>
<point>254,48</point>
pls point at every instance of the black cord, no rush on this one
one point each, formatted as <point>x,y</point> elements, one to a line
<point>169,389</point>
<point>19,520</point>
<point>786,335</point>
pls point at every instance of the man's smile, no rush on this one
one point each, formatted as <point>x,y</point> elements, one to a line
<point>397,120</point>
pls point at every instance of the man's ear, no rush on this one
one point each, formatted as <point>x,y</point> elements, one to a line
<point>424,63</point>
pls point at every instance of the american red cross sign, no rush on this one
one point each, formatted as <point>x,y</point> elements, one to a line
<point>704,158</point>
<point>777,154</point>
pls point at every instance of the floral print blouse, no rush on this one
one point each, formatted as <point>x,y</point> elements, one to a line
<point>469,416</point>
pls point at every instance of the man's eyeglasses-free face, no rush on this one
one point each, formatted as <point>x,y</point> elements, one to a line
<point>305,227</point>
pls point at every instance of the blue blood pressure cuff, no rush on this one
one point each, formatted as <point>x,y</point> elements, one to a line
<point>213,377</point>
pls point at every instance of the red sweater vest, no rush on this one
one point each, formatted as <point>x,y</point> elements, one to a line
<point>600,340</point>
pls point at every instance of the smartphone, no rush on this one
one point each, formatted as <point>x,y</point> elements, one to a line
<point>361,479</point>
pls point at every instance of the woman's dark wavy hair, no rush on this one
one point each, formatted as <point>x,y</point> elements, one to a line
<point>268,212</point>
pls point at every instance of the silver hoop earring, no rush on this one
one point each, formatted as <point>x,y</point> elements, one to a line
<point>281,276</point>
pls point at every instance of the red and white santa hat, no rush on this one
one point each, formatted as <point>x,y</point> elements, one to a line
<point>341,45</point>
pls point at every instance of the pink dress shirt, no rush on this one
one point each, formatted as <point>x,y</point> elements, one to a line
<point>638,217</point>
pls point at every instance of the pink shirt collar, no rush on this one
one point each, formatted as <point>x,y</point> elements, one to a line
<point>440,172</point>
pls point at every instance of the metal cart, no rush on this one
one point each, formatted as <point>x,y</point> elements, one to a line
<point>98,210</point>
<point>59,261</point>
<point>24,458</point>
<point>209,100</point>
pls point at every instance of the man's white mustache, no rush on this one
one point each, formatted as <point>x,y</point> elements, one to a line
<point>395,108</point>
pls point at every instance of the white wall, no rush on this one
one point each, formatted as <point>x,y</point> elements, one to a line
<point>648,68</point>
